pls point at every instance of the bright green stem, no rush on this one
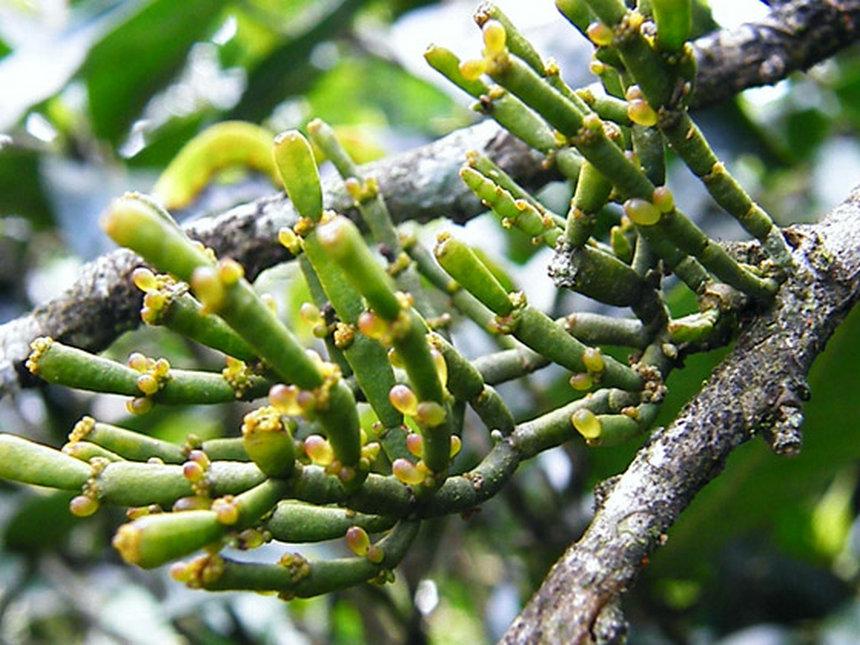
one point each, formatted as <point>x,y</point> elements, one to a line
<point>534,91</point>
<point>320,299</point>
<point>604,278</point>
<point>321,576</point>
<point>648,146</point>
<point>373,210</point>
<point>592,191</point>
<point>616,429</point>
<point>340,239</point>
<point>367,358</point>
<point>577,12</point>
<point>539,332</point>
<point>640,59</point>
<point>692,240</point>
<point>507,110</point>
<point>31,463</point>
<point>466,384</point>
<point>674,19</point>
<point>516,43</point>
<point>248,315</point>
<point>129,483</point>
<point>84,450</point>
<point>466,268</point>
<point>152,540</point>
<point>137,222</point>
<point>135,446</point>
<point>298,522</point>
<point>688,141</point>
<point>343,243</point>
<point>462,300</point>
<point>295,162</point>
<point>608,108</point>
<point>596,329</point>
<point>184,315</point>
<point>58,363</point>
<point>512,212</point>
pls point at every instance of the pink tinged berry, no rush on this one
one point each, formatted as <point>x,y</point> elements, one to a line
<point>144,279</point>
<point>372,325</point>
<point>633,93</point>
<point>415,444</point>
<point>306,400</point>
<point>285,398</point>
<point>139,405</point>
<point>138,362</point>
<point>472,69</point>
<point>407,472</point>
<point>319,450</point>
<point>375,554</point>
<point>230,271</point>
<point>456,445</point>
<point>586,423</point>
<point>192,471</point>
<point>226,510</point>
<point>494,37</point>
<point>641,113</point>
<point>357,540</point>
<point>147,384</point>
<point>641,212</point>
<point>663,199</point>
<point>403,399</point>
<point>599,34</point>
<point>581,382</point>
<point>592,358</point>
<point>430,414</point>
<point>192,503</point>
<point>83,506</point>
<point>441,366</point>
<point>199,457</point>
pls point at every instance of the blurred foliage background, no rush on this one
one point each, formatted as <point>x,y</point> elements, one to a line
<point>96,96</point>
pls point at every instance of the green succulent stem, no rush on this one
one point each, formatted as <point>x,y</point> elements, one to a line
<point>466,384</point>
<point>297,522</point>
<point>152,540</point>
<point>318,577</point>
<point>72,367</point>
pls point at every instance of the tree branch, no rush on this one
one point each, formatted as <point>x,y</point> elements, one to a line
<point>758,387</point>
<point>420,185</point>
<point>794,36</point>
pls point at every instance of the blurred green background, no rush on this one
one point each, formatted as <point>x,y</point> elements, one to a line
<point>96,96</point>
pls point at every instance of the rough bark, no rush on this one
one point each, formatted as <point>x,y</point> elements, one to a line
<point>419,185</point>
<point>794,36</point>
<point>758,387</point>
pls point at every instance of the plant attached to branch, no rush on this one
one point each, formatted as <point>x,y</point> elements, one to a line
<point>303,468</point>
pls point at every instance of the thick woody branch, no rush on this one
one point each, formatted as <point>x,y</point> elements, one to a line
<point>758,388</point>
<point>421,184</point>
<point>794,36</point>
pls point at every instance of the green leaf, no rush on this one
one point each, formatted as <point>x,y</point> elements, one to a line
<point>127,67</point>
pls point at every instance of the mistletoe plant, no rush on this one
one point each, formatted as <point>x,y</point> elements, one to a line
<point>304,469</point>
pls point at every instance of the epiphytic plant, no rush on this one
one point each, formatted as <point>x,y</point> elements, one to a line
<point>304,468</point>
